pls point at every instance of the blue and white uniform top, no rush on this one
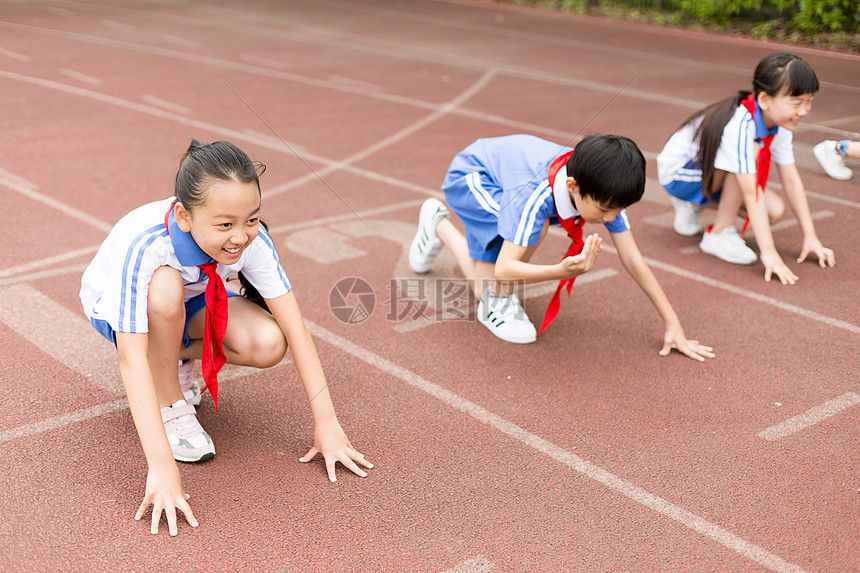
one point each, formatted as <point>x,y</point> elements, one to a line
<point>507,177</point>
<point>736,154</point>
<point>114,286</point>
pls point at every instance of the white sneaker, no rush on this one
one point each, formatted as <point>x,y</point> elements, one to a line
<point>191,389</point>
<point>427,244</point>
<point>504,316</point>
<point>832,163</point>
<point>188,440</point>
<point>686,221</point>
<point>728,246</point>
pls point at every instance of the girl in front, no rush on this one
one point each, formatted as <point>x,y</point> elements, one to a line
<point>155,289</point>
<point>722,155</point>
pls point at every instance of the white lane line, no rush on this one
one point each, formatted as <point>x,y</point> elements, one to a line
<point>226,375</point>
<point>810,417</point>
<point>791,222</point>
<point>788,307</point>
<point>93,81</point>
<point>393,51</point>
<point>48,261</point>
<point>180,41</point>
<point>68,270</point>
<point>821,196</point>
<point>61,11</point>
<point>168,105</point>
<point>437,114</point>
<point>29,190</point>
<point>364,214</point>
<point>545,288</point>
<point>14,55</point>
<point>836,200</point>
<point>76,345</point>
<point>479,564</point>
<point>63,420</point>
<point>665,220</point>
<point>121,26</point>
<point>270,143</point>
<point>725,538</point>
<point>840,120</point>
<point>263,61</point>
<point>354,83</point>
<point>354,90</point>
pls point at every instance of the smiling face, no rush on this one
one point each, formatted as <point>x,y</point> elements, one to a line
<point>227,221</point>
<point>589,209</point>
<point>784,110</point>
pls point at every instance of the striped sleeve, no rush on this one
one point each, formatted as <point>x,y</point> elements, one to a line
<point>619,224</point>
<point>524,213</point>
<point>737,151</point>
<point>125,283</point>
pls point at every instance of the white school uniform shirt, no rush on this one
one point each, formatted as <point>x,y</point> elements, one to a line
<point>736,153</point>
<point>114,286</point>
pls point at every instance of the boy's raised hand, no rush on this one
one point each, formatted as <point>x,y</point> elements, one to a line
<point>675,338</point>
<point>164,493</point>
<point>330,440</point>
<point>584,261</point>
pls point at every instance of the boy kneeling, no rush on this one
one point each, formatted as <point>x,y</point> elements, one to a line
<point>507,191</point>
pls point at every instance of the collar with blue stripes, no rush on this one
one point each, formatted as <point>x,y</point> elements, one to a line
<point>187,251</point>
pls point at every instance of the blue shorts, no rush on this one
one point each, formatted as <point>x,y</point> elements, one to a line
<point>474,198</point>
<point>192,306</point>
<point>687,185</point>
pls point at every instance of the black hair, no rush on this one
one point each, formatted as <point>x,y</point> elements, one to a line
<point>780,73</point>
<point>248,290</point>
<point>609,169</point>
<point>203,164</point>
<point>784,73</point>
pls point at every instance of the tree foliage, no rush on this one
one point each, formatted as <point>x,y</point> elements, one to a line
<point>794,20</point>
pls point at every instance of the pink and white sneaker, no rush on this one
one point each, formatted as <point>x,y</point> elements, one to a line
<point>188,440</point>
<point>191,389</point>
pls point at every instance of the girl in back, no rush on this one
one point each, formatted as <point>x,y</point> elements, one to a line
<point>722,155</point>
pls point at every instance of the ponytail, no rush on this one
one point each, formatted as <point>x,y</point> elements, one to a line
<point>715,117</point>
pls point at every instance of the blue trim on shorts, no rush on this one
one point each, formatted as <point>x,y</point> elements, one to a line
<point>689,187</point>
<point>192,306</point>
<point>480,226</point>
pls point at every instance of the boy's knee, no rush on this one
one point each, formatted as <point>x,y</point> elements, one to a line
<point>165,298</point>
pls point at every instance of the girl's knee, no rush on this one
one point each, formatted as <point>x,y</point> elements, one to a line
<point>270,347</point>
<point>263,346</point>
<point>775,208</point>
<point>166,297</point>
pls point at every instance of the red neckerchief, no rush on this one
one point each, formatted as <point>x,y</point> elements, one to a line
<point>574,231</point>
<point>762,164</point>
<point>215,325</point>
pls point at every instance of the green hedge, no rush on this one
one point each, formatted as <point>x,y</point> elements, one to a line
<point>764,17</point>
